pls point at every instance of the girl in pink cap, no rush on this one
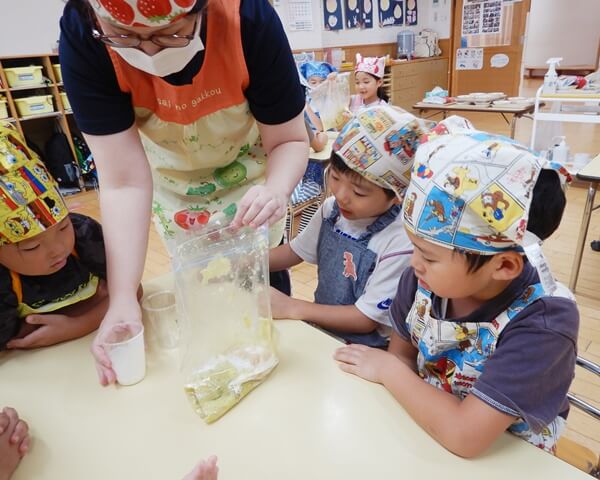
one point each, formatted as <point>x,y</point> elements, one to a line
<point>193,111</point>
<point>368,81</point>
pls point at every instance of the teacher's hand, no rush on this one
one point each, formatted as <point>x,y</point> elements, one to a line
<point>119,313</point>
<point>261,205</point>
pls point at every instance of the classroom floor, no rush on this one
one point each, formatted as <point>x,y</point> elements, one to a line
<point>559,249</point>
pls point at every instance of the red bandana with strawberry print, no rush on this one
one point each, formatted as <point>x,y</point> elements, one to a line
<point>142,13</point>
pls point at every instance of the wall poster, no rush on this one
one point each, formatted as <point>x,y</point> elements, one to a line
<point>410,12</point>
<point>332,15</point>
<point>300,17</point>
<point>469,58</point>
<point>352,13</point>
<point>481,17</point>
<point>391,12</point>
<point>367,13</point>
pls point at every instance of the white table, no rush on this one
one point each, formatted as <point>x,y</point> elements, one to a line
<point>308,421</point>
<point>517,110</point>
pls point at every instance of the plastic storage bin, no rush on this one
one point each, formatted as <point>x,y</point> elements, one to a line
<point>24,76</point>
<point>57,72</point>
<point>34,105</point>
<point>3,108</point>
<point>65,101</point>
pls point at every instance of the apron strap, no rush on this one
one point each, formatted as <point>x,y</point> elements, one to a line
<point>335,213</point>
<point>17,286</point>
<point>380,223</point>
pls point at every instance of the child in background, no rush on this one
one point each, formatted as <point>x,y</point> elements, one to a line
<point>314,74</point>
<point>52,263</point>
<point>368,80</point>
<point>484,339</point>
<point>356,237</point>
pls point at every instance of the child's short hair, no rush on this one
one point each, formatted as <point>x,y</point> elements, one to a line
<point>545,214</point>
<point>379,143</point>
<point>339,166</point>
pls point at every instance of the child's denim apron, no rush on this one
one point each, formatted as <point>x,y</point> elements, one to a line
<point>345,264</point>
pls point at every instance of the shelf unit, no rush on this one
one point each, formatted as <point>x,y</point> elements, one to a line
<point>50,86</point>
<point>573,112</point>
<point>412,78</point>
<point>570,114</point>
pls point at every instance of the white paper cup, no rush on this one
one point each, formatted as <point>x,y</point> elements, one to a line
<point>124,345</point>
<point>160,310</point>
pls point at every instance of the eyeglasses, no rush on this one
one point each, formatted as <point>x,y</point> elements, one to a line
<point>134,41</point>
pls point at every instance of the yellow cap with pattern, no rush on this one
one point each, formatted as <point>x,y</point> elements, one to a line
<point>30,201</point>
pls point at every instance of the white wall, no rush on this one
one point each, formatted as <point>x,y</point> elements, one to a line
<point>32,26</point>
<point>563,28</point>
<point>29,26</point>
<point>437,18</point>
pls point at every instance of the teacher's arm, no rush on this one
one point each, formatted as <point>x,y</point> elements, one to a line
<point>125,203</point>
<point>287,147</point>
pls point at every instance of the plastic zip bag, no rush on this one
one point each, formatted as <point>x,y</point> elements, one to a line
<point>228,347</point>
<point>330,99</point>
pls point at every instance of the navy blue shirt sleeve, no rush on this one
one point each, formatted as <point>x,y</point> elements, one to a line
<point>403,301</point>
<point>99,105</point>
<point>274,92</point>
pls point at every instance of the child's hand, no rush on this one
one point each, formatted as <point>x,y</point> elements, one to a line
<point>51,329</point>
<point>14,441</point>
<point>281,305</point>
<point>365,362</point>
<point>205,470</point>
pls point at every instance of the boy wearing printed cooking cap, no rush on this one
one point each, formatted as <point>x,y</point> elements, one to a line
<point>52,263</point>
<point>484,339</point>
<point>356,237</point>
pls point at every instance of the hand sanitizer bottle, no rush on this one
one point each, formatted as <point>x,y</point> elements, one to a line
<point>551,77</point>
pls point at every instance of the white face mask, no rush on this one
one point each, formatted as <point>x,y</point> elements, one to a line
<point>168,60</point>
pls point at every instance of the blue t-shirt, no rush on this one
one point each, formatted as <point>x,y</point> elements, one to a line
<point>274,93</point>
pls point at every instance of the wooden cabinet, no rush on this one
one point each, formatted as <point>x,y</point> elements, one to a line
<point>39,126</point>
<point>410,80</point>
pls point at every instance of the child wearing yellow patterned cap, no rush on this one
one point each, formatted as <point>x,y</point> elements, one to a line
<point>356,238</point>
<point>485,340</point>
<point>52,263</point>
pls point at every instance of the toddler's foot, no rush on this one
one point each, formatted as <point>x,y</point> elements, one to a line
<point>205,470</point>
<point>14,442</point>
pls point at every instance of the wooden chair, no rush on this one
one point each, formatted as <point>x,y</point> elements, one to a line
<point>572,452</point>
<point>295,213</point>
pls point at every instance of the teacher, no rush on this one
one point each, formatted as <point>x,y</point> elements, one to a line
<point>198,98</point>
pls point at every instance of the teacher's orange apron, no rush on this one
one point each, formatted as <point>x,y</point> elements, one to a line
<point>201,139</point>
